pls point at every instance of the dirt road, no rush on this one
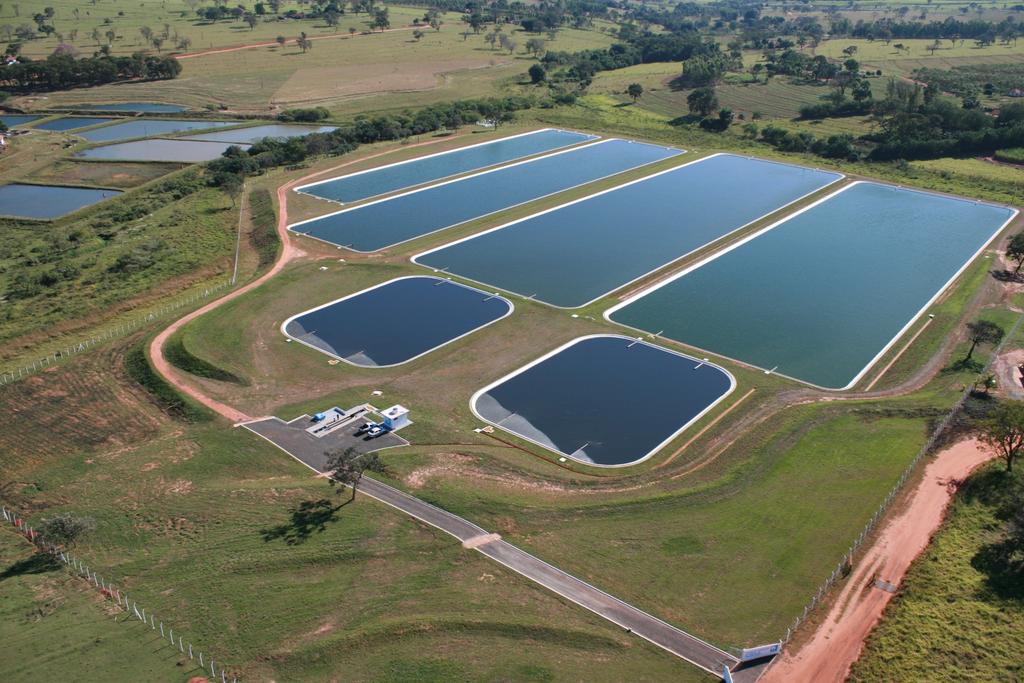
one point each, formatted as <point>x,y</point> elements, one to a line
<point>838,641</point>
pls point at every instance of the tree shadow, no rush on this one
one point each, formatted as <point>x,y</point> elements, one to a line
<point>37,563</point>
<point>1003,566</point>
<point>964,365</point>
<point>1007,275</point>
<point>685,120</point>
<point>307,518</point>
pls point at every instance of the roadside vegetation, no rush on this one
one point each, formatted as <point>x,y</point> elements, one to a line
<point>964,594</point>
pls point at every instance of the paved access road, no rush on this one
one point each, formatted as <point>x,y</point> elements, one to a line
<point>676,641</point>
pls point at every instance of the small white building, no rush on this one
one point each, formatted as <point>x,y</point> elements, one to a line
<point>396,417</point>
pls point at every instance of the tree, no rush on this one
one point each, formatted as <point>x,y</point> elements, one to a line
<point>536,46</point>
<point>232,184</point>
<point>537,74</point>
<point>381,19</point>
<point>986,382</point>
<point>347,466</point>
<point>304,43</point>
<point>65,529</point>
<point>158,42</point>
<point>861,90</point>
<point>251,20</point>
<point>702,101</point>
<point>1015,251</point>
<point>418,34</point>
<point>491,39</point>
<point>982,332</point>
<point>281,40</point>
<point>1003,431</point>
<point>635,90</point>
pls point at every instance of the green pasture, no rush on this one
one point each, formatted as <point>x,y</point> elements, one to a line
<point>54,623</point>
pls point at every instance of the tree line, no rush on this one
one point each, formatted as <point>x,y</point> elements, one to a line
<point>228,171</point>
<point>62,71</point>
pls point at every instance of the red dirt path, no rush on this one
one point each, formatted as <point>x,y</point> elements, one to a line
<point>838,641</point>
<point>288,253</point>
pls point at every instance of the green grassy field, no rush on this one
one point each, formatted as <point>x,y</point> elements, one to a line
<point>53,622</point>
<point>958,615</point>
<point>253,558</point>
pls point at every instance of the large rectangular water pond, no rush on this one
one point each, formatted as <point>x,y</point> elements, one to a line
<point>573,254</point>
<point>184,151</point>
<point>397,321</point>
<point>254,133</point>
<point>390,221</point>
<point>136,107</point>
<point>404,174</point>
<point>604,400</point>
<point>13,120</point>
<point>47,201</point>
<point>72,123</point>
<point>145,128</point>
<point>820,296</point>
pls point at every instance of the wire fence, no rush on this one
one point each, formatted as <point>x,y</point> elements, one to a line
<point>120,330</point>
<point>845,565</point>
<point>128,606</point>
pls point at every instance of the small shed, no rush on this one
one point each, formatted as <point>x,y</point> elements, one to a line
<point>396,417</point>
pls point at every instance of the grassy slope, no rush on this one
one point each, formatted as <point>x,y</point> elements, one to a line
<point>204,525</point>
<point>52,624</point>
<point>168,243</point>
<point>954,619</point>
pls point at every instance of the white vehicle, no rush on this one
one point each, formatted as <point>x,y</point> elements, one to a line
<point>374,431</point>
<point>366,426</point>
